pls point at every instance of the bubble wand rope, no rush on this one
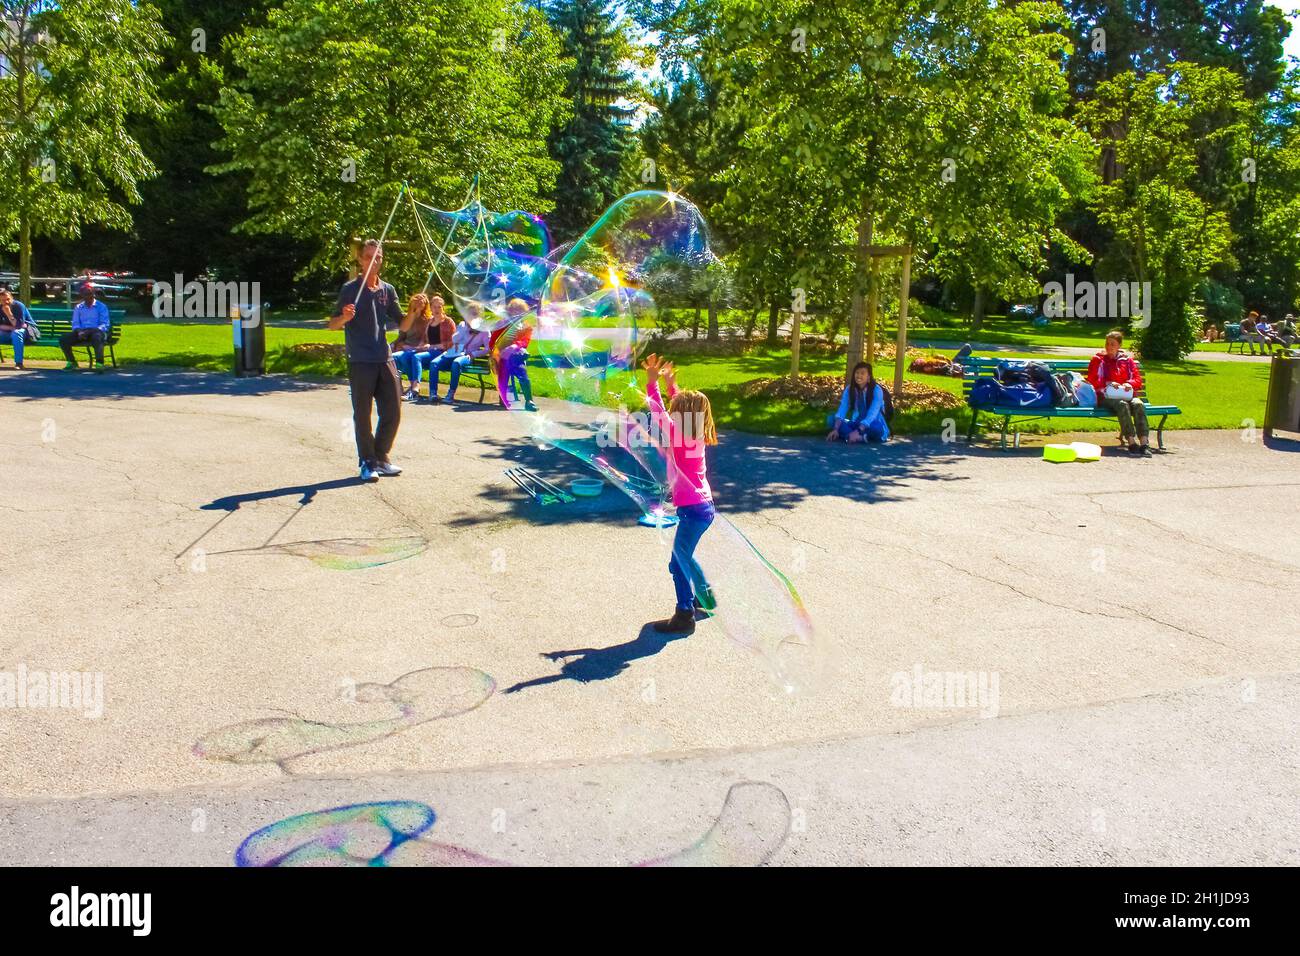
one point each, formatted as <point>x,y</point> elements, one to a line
<point>442,250</point>
<point>365,280</point>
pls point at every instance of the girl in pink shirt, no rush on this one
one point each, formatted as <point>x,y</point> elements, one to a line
<point>687,428</point>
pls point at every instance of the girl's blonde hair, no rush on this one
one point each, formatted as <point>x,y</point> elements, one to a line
<point>694,416</point>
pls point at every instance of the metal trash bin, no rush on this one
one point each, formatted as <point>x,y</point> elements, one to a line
<point>250,340</point>
<point>1283,410</point>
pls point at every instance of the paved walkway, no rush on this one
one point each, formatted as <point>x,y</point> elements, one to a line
<point>200,543</point>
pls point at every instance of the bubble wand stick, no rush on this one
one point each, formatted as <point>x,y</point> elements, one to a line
<point>365,280</point>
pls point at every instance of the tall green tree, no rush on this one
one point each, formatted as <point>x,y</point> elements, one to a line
<point>1164,230</point>
<point>1145,36</point>
<point>1266,220</point>
<point>591,144</point>
<point>865,105</point>
<point>72,77</point>
<point>181,143</point>
<point>341,101</point>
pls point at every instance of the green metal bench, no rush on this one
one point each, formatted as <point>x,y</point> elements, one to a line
<point>55,322</point>
<point>1232,335</point>
<point>983,367</point>
<point>481,369</point>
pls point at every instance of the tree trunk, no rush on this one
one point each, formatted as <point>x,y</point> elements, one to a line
<point>796,335</point>
<point>713,321</point>
<point>861,283</point>
<point>977,310</point>
<point>750,324</point>
<point>695,326</point>
<point>25,170</point>
<point>773,322</point>
<point>24,257</point>
<point>873,303</point>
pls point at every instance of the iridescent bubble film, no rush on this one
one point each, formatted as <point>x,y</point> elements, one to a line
<point>486,258</point>
<point>588,312</point>
<point>752,826</point>
<point>416,698</point>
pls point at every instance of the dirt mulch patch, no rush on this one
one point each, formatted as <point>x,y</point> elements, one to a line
<point>738,346</point>
<point>824,391</point>
<point>314,350</point>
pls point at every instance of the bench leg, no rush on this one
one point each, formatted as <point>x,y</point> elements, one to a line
<point>112,355</point>
<point>970,432</point>
<point>1160,432</point>
<point>482,389</point>
<point>1006,422</point>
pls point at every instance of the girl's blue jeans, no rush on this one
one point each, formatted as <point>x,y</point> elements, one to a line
<point>412,364</point>
<point>688,576</point>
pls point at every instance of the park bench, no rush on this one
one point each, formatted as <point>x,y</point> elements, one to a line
<point>55,322</point>
<point>982,367</point>
<point>1232,335</point>
<point>481,369</point>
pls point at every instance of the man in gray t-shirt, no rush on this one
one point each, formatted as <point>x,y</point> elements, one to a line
<point>366,305</point>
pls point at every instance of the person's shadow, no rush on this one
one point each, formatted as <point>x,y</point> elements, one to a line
<point>601,663</point>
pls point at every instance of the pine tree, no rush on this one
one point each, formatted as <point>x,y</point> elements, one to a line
<point>590,146</point>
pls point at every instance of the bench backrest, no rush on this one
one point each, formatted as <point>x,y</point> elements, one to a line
<point>978,366</point>
<point>55,321</point>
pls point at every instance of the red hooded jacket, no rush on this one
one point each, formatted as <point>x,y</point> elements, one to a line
<point>1103,370</point>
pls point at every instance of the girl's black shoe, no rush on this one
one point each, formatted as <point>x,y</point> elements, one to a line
<point>682,622</point>
<point>702,611</point>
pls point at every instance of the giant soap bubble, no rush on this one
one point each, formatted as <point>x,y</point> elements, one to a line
<point>485,258</point>
<point>589,310</point>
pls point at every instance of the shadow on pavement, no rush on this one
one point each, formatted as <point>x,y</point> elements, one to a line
<point>304,493</point>
<point>748,473</point>
<point>601,663</point>
<point>141,381</point>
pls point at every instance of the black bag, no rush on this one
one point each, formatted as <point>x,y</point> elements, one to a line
<point>887,408</point>
<point>1063,391</point>
<point>1012,371</point>
<point>1040,373</point>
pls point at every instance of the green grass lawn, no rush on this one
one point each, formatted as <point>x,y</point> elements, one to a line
<point>1211,394</point>
<point>937,325</point>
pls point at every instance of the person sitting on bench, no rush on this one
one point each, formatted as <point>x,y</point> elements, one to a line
<point>1250,334</point>
<point>1286,331</point>
<point>512,358</point>
<point>1264,328</point>
<point>1117,379</point>
<point>428,337</point>
<point>468,344</point>
<point>90,324</point>
<point>14,319</point>
<point>861,415</point>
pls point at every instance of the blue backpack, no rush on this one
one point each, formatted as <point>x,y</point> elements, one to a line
<point>984,392</point>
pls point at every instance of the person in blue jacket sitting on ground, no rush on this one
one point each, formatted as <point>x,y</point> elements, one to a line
<point>861,415</point>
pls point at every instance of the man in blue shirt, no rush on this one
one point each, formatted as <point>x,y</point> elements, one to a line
<point>365,307</point>
<point>14,319</point>
<point>90,323</point>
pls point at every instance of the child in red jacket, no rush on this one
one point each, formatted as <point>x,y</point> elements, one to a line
<point>1117,378</point>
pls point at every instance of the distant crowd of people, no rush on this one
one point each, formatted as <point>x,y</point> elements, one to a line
<point>1256,330</point>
